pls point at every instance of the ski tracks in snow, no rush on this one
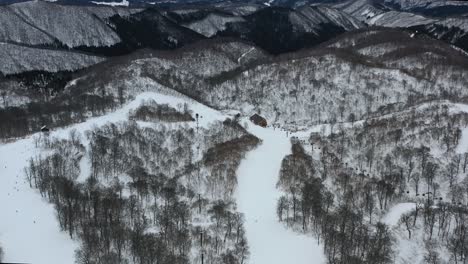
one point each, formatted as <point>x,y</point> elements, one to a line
<point>269,240</point>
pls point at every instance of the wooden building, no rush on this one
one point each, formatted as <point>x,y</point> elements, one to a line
<point>258,120</point>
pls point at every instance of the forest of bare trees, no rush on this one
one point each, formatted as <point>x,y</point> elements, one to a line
<point>311,207</point>
<point>151,195</point>
<point>364,170</point>
<point>152,112</point>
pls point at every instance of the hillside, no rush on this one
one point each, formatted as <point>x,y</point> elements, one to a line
<point>18,59</point>
<point>43,23</point>
<point>126,133</point>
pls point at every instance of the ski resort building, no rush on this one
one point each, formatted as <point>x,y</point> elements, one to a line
<point>258,120</point>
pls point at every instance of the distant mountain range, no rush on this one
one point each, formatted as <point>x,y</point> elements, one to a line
<point>278,26</point>
<point>70,35</point>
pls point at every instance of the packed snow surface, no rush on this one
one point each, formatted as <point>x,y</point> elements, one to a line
<point>395,213</point>
<point>123,3</point>
<point>269,240</point>
<point>29,231</point>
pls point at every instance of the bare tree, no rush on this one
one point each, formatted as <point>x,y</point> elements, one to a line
<point>406,219</point>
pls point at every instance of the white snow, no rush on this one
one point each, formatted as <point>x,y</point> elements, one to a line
<point>269,240</point>
<point>399,19</point>
<point>39,22</point>
<point>18,58</point>
<point>394,214</point>
<point>212,24</point>
<point>268,3</point>
<point>463,143</point>
<point>123,3</point>
<point>244,54</point>
<point>21,238</point>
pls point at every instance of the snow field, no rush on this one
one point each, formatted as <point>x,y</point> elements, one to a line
<point>269,240</point>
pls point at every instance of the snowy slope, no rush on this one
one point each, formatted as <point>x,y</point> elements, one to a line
<point>16,59</point>
<point>212,24</point>
<point>38,22</point>
<point>72,26</point>
<point>394,214</point>
<point>399,19</point>
<point>27,220</point>
<point>313,18</point>
<point>360,9</point>
<point>29,231</point>
<point>123,3</point>
<point>437,7</point>
<point>270,242</point>
<point>14,29</point>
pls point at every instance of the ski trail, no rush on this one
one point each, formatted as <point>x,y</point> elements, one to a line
<point>243,55</point>
<point>269,240</point>
<point>29,231</point>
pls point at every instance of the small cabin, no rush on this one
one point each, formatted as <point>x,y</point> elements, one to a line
<point>45,129</point>
<point>315,138</point>
<point>258,120</point>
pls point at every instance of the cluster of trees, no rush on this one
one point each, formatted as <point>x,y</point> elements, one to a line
<point>224,241</point>
<point>147,197</point>
<point>443,225</point>
<point>1,253</point>
<point>364,170</point>
<point>151,111</point>
<point>19,121</point>
<point>48,83</point>
<point>48,103</point>
<point>114,228</point>
<point>113,149</point>
<point>281,87</point>
<point>223,159</point>
<point>308,205</point>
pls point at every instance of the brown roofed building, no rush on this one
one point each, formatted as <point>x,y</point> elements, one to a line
<point>258,120</point>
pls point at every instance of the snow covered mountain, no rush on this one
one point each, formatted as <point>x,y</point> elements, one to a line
<point>297,28</point>
<point>17,59</point>
<point>43,23</point>
<point>125,133</point>
<point>279,30</point>
<point>439,8</point>
<point>443,20</point>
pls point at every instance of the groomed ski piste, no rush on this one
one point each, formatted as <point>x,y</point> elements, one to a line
<point>269,240</point>
<point>30,233</point>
